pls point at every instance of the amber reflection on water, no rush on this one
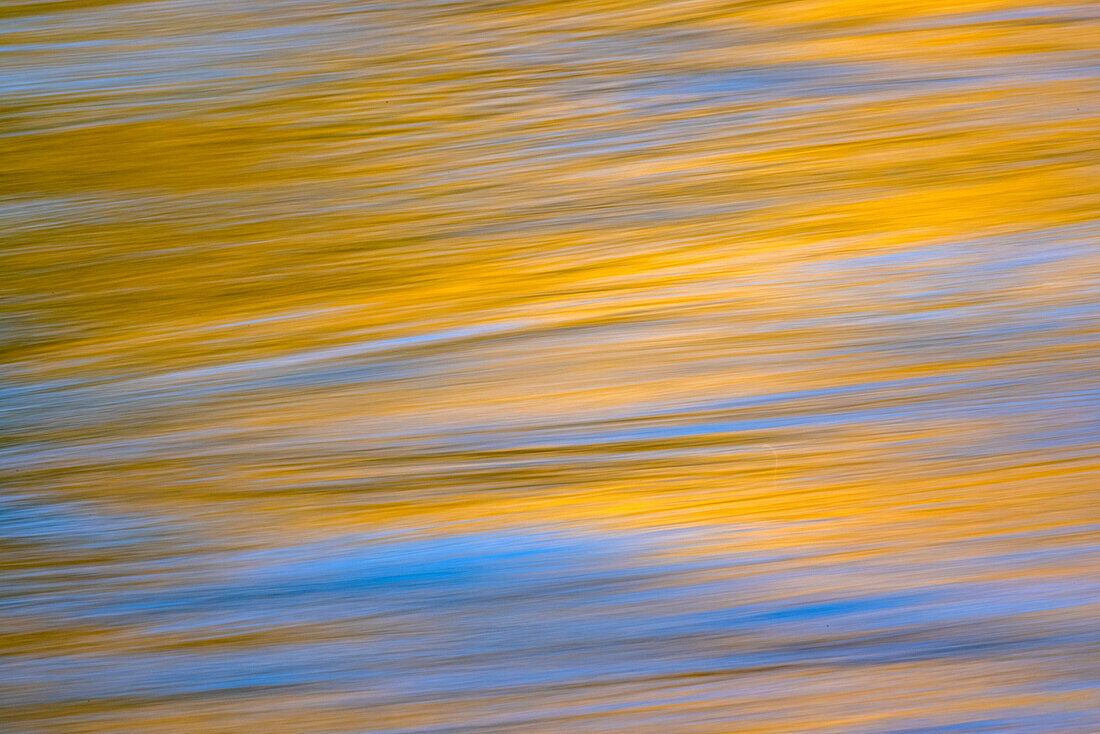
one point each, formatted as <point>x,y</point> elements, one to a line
<point>598,366</point>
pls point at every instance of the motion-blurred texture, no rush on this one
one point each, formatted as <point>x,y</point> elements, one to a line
<point>649,366</point>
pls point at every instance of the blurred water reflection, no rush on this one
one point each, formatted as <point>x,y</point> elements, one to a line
<point>549,367</point>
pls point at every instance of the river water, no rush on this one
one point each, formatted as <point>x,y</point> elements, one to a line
<point>529,366</point>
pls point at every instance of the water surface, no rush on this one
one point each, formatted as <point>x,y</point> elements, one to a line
<point>549,366</point>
